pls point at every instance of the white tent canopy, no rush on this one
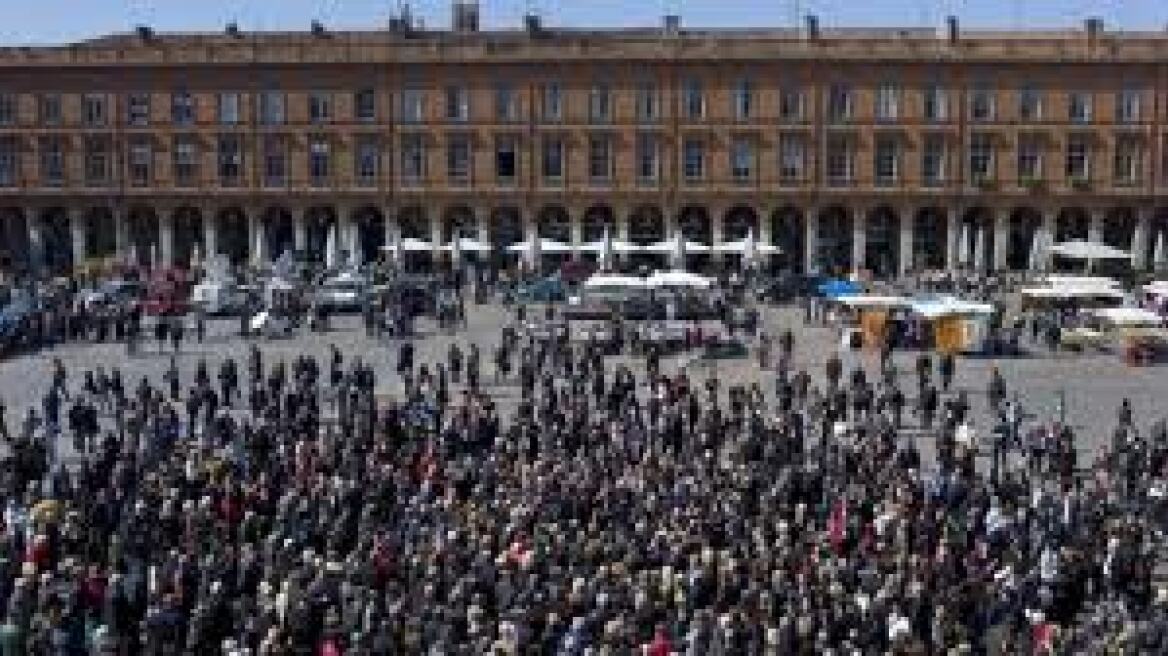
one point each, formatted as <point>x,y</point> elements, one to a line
<point>617,247</point>
<point>611,280</point>
<point>544,246</point>
<point>873,301</point>
<point>678,279</point>
<point>414,245</point>
<point>742,245</point>
<point>467,245</point>
<point>931,308</point>
<point>670,245</point>
<point>1129,316</point>
<point>1088,250</point>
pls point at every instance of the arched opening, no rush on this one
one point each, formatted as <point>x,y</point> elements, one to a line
<point>1073,224</point>
<point>15,253</point>
<point>834,241</point>
<point>1156,245</point>
<point>739,221</point>
<point>882,242</point>
<point>369,227</point>
<point>787,230</point>
<point>694,223</point>
<point>597,219</point>
<point>100,233</point>
<point>1024,226</point>
<point>506,230</point>
<point>188,232</point>
<point>1119,228</point>
<point>975,248</point>
<point>930,235</point>
<point>458,222</point>
<point>279,234</point>
<point>647,226</point>
<point>231,236</point>
<point>414,224</point>
<point>143,236</point>
<point>318,223</point>
<point>553,223</point>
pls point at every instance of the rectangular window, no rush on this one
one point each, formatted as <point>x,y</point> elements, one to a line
<point>182,108</point>
<point>93,109</point>
<point>839,102</point>
<point>186,161</point>
<point>599,103</point>
<point>981,104</point>
<point>600,158</point>
<point>693,99</point>
<point>792,157</point>
<point>694,159</point>
<point>368,160</point>
<point>551,102</point>
<point>647,158</point>
<point>933,160</point>
<point>790,104</point>
<point>52,161</point>
<point>886,161</point>
<point>50,109</point>
<point>839,162</point>
<point>1029,158</point>
<point>506,159</point>
<point>138,109</point>
<point>506,104</point>
<point>320,107</point>
<point>275,161</point>
<point>319,159</point>
<point>230,158</point>
<point>647,111</point>
<point>8,108</point>
<point>97,161</point>
<point>1129,158</point>
<point>743,99</point>
<point>457,105</point>
<point>742,159</point>
<point>413,154</point>
<point>9,162</point>
<point>365,105</point>
<point>272,108</point>
<point>1029,104</point>
<point>229,108</point>
<point>981,156</point>
<point>1079,107</point>
<point>141,160</point>
<point>1127,106</point>
<point>1078,158</point>
<point>553,158</point>
<point>458,158</point>
<point>936,103</point>
<point>413,105</point>
<point>887,102</point>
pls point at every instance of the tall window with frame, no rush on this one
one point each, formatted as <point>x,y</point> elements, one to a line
<point>272,107</point>
<point>1078,164</point>
<point>413,158</point>
<point>839,102</point>
<point>275,161</point>
<point>743,99</point>
<point>52,156</point>
<point>982,107</point>
<point>457,103</point>
<point>790,104</point>
<point>1129,161</point>
<point>600,103</point>
<point>186,161</point>
<point>365,105</point>
<point>552,164</point>
<point>648,158</point>
<point>1029,158</point>
<point>506,159</point>
<point>935,103</point>
<point>368,160</point>
<point>320,107</point>
<point>458,158</point>
<point>1079,107</point>
<point>138,109</point>
<point>229,108</point>
<point>182,107</point>
<point>981,157</point>
<point>694,159</point>
<point>551,102</point>
<point>933,160</point>
<point>839,160</point>
<point>647,102</point>
<point>319,161</point>
<point>1030,103</point>
<point>413,104</point>
<point>50,109</point>
<point>887,102</point>
<point>8,108</point>
<point>1127,105</point>
<point>9,162</point>
<point>230,160</point>
<point>600,158</point>
<point>506,103</point>
<point>97,161</point>
<point>693,99</point>
<point>886,164</point>
<point>792,157</point>
<point>141,162</point>
<point>742,165</point>
<point>93,109</point>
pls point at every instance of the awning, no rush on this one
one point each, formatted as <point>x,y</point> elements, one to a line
<point>468,245</point>
<point>678,279</point>
<point>545,246</point>
<point>1088,250</point>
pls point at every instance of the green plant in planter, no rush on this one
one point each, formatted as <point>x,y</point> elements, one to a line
<point>1032,183</point>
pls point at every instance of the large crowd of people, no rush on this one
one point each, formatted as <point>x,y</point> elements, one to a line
<point>271,507</point>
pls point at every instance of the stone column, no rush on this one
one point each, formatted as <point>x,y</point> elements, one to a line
<point>165,239</point>
<point>122,243</point>
<point>859,239</point>
<point>299,232</point>
<point>530,234</point>
<point>1046,231</point>
<point>717,218</point>
<point>36,242</point>
<point>622,231</point>
<point>1001,228</point>
<point>210,232</point>
<point>77,238</point>
<point>346,234</point>
<point>953,244</point>
<point>811,240</point>
<point>1095,226</point>
<point>1139,242</point>
<point>483,226</point>
<point>392,229</point>
<point>575,231</point>
<point>765,236</point>
<point>907,259</point>
<point>255,234</point>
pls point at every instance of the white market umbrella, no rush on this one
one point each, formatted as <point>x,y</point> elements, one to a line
<point>330,248</point>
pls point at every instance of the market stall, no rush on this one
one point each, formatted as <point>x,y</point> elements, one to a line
<point>955,325</point>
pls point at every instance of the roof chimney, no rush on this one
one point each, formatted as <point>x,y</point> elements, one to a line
<point>1094,27</point>
<point>532,24</point>
<point>811,27</point>
<point>465,16</point>
<point>952,29</point>
<point>672,24</point>
<point>317,28</point>
<point>145,32</point>
<point>232,29</point>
